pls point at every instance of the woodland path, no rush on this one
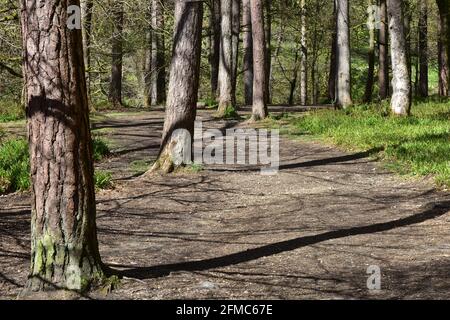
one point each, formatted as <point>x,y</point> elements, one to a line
<point>311,231</point>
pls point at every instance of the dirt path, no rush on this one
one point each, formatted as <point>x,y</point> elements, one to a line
<point>310,231</point>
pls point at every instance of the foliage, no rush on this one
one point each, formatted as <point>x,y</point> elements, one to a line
<point>418,145</point>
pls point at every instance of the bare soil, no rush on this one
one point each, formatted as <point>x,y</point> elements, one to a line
<point>228,232</point>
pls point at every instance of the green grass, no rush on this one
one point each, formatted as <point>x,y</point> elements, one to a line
<point>418,145</point>
<point>11,111</point>
<point>15,165</point>
<point>140,166</point>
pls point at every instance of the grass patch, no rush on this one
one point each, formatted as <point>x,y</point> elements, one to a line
<point>418,145</point>
<point>11,111</point>
<point>103,180</point>
<point>15,165</point>
<point>140,166</point>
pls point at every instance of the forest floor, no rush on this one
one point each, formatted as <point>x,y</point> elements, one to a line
<point>309,232</point>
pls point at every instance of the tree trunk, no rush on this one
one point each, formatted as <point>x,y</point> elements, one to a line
<point>423,48</point>
<point>444,41</point>
<point>383,69</point>
<point>371,62</point>
<point>343,85</point>
<point>226,60</point>
<point>303,56</point>
<point>268,44</point>
<point>183,86</point>
<point>259,108</point>
<point>214,57</point>
<point>235,30</point>
<point>248,52</point>
<point>64,247</point>
<point>407,17</point>
<point>401,82</point>
<point>148,59</point>
<point>115,88</point>
<point>333,58</point>
<point>158,63</point>
<point>86,13</point>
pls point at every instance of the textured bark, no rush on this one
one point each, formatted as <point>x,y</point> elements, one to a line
<point>248,52</point>
<point>235,30</point>
<point>148,59</point>
<point>423,48</point>
<point>259,108</point>
<point>226,57</point>
<point>407,17</point>
<point>401,82</point>
<point>371,64</point>
<point>303,56</point>
<point>214,56</point>
<point>86,12</point>
<point>444,44</point>
<point>383,39</point>
<point>115,87</point>
<point>158,71</point>
<point>343,82</point>
<point>183,82</point>
<point>267,4</point>
<point>333,58</point>
<point>64,248</point>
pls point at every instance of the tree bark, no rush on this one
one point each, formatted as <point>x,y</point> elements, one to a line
<point>148,59</point>
<point>64,247</point>
<point>268,43</point>
<point>183,85</point>
<point>444,41</point>
<point>259,107</point>
<point>383,69</point>
<point>401,82</point>
<point>333,58</point>
<point>226,93</point>
<point>86,13</point>
<point>158,61</point>
<point>248,52</point>
<point>115,88</point>
<point>214,57</point>
<point>371,61</point>
<point>423,48</point>
<point>303,56</point>
<point>343,83</point>
<point>235,30</point>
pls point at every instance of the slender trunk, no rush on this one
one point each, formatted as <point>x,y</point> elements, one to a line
<point>86,12</point>
<point>158,71</point>
<point>303,56</point>
<point>423,48</point>
<point>383,69</point>
<point>371,62</point>
<point>148,59</point>
<point>248,52</point>
<point>64,247</point>
<point>343,85</point>
<point>407,17</point>
<point>259,109</point>
<point>293,81</point>
<point>401,82</point>
<point>444,44</point>
<point>226,60</point>
<point>115,88</point>
<point>215,45</point>
<point>235,29</point>
<point>268,56</point>
<point>183,87</point>
<point>333,58</point>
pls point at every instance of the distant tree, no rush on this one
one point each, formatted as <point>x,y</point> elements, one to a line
<point>401,82</point>
<point>343,82</point>
<point>303,56</point>
<point>215,39</point>
<point>183,85</point>
<point>383,53</point>
<point>64,247</point>
<point>115,87</point>
<point>444,46</point>
<point>259,109</point>
<point>371,61</point>
<point>248,52</point>
<point>423,48</point>
<point>158,71</point>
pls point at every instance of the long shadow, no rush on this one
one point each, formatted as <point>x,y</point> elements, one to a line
<point>311,163</point>
<point>438,209</point>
